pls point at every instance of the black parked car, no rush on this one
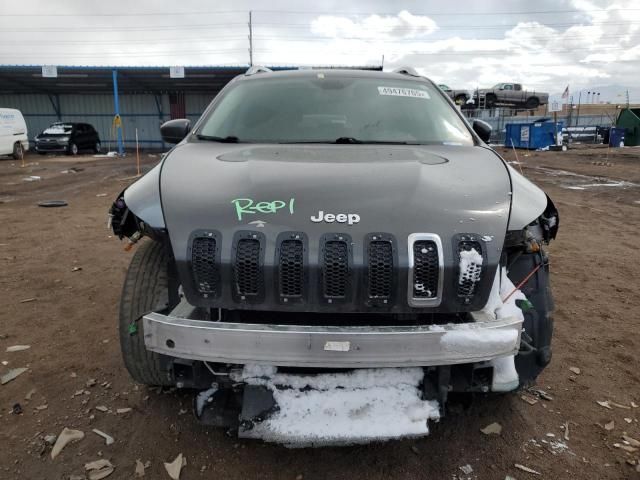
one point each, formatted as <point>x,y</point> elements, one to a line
<point>69,138</point>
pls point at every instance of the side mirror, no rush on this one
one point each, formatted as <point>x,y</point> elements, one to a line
<point>174,131</point>
<point>482,129</point>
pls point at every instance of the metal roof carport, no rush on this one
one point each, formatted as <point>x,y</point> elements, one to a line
<point>143,97</point>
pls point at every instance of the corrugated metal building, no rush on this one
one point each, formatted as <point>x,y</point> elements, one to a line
<point>144,97</point>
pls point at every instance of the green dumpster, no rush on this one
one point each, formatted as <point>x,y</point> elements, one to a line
<point>629,119</point>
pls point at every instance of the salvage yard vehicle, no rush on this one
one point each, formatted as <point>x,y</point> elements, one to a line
<point>330,253</point>
<point>460,97</point>
<point>509,94</point>
<point>69,138</point>
<point>13,133</point>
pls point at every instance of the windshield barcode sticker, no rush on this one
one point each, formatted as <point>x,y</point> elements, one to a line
<point>403,92</point>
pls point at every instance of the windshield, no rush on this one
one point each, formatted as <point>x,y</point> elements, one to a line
<point>58,129</point>
<point>330,109</point>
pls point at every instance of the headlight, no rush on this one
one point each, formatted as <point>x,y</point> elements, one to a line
<point>63,139</point>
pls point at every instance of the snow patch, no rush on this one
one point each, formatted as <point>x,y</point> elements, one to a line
<point>505,376</point>
<point>495,308</point>
<point>470,267</point>
<point>343,408</point>
<point>356,379</point>
<point>469,340</point>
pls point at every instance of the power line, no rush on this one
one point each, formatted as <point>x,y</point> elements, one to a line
<point>228,38</point>
<point>300,38</point>
<point>312,12</point>
<point>127,14</point>
<point>108,28</point>
<point>460,27</point>
<point>452,14</point>
<point>130,54</point>
<point>284,38</point>
<point>500,53</point>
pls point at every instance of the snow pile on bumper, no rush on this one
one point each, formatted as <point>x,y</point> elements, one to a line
<point>502,304</point>
<point>341,408</point>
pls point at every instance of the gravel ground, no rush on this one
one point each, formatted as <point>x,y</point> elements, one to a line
<point>60,278</point>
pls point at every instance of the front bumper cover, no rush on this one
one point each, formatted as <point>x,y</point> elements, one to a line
<point>331,347</point>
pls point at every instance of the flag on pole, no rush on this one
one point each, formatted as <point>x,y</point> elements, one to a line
<point>565,94</point>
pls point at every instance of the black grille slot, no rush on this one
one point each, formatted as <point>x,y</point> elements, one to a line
<point>204,265</point>
<point>469,278</point>
<point>291,277</point>
<point>335,269</point>
<point>247,271</point>
<point>380,269</point>
<point>426,269</point>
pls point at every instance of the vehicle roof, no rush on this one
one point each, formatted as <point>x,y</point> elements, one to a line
<point>332,72</point>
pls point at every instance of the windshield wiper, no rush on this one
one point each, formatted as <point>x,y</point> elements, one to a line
<point>211,138</point>
<point>353,141</point>
<point>347,140</point>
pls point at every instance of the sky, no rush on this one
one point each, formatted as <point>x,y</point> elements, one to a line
<point>546,45</point>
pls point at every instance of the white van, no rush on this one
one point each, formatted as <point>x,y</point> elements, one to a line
<point>13,133</point>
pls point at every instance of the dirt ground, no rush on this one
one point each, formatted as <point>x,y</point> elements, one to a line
<point>60,279</point>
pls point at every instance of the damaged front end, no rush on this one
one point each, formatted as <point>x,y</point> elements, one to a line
<point>390,365</point>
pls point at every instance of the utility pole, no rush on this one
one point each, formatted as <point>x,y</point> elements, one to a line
<point>578,113</point>
<point>627,98</point>
<point>250,40</point>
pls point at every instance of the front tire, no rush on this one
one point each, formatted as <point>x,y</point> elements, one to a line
<point>73,149</point>
<point>146,289</point>
<point>97,147</point>
<point>18,151</point>
<point>532,103</point>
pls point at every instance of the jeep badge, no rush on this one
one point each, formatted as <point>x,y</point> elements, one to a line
<point>350,218</point>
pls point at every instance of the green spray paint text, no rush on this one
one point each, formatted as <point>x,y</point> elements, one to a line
<point>248,206</point>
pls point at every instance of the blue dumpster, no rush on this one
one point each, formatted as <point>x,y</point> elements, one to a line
<point>532,135</point>
<point>616,137</point>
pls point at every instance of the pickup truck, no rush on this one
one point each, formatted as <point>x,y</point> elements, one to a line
<point>327,254</point>
<point>460,97</point>
<point>509,94</point>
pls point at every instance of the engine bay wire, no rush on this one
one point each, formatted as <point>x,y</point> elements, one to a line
<point>517,287</point>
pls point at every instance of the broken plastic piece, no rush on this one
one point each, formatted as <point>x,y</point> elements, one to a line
<point>66,436</point>
<point>174,468</point>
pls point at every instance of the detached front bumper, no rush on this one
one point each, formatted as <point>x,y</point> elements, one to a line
<point>330,347</point>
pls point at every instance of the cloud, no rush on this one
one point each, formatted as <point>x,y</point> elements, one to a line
<point>376,27</point>
<point>599,41</point>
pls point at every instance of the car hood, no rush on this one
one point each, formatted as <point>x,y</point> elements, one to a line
<point>399,190</point>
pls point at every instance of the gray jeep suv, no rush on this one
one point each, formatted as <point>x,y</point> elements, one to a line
<point>340,223</point>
